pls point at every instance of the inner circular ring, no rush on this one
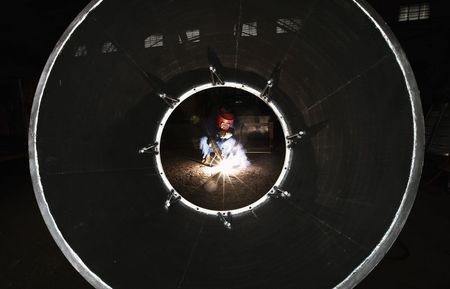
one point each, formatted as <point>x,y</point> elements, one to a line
<point>287,156</point>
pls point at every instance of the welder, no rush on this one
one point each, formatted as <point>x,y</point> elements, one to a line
<point>219,138</point>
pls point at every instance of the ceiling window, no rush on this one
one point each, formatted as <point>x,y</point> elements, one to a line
<point>249,29</point>
<point>193,35</point>
<point>154,40</point>
<point>80,51</point>
<point>108,47</point>
<point>412,12</point>
<point>285,25</point>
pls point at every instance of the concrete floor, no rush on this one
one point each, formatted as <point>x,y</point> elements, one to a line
<point>419,259</point>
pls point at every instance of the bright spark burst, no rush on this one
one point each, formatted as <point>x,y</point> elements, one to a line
<point>230,165</point>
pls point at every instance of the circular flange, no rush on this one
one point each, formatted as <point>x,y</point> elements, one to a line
<point>256,93</point>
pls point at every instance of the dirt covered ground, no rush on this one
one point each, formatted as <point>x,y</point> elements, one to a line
<point>204,187</point>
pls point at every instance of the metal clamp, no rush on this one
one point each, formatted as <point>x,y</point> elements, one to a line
<point>225,219</point>
<point>215,77</point>
<point>279,193</point>
<point>267,91</point>
<point>150,149</point>
<point>172,198</point>
<point>294,138</point>
<point>168,100</point>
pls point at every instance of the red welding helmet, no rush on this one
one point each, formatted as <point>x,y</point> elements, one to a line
<point>224,121</point>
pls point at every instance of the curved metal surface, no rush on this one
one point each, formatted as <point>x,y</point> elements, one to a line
<point>417,158</point>
<point>73,258</point>
<point>353,182</point>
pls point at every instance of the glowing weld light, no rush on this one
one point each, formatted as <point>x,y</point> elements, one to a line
<point>231,164</point>
<point>227,167</point>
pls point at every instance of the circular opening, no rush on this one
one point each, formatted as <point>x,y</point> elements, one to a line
<point>222,149</point>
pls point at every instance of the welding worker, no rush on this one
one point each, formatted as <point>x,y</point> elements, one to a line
<point>221,131</point>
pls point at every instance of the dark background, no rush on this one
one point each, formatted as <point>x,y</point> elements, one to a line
<point>29,258</point>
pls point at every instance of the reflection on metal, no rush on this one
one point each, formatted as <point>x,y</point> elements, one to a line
<point>108,47</point>
<point>279,193</point>
<point>246,29</point>
<point>285,25</point>
<point>80,51</point>
<point>215,77</point>
<point>168,100</point>
<point>416,11</point>
<point>150,149</point>
<point>154,40</point>
<point>172,198</point>
<point>293,139</point>
<point>225,219</point>
<point>249,29</point>
<point>193,35</point>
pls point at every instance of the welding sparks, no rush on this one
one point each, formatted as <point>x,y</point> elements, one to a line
<point>231,164</point>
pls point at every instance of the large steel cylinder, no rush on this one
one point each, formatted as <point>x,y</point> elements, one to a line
<point>341,77</point>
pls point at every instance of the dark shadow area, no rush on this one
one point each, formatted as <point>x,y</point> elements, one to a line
<point>420,257</point>
<point>30,258</point>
